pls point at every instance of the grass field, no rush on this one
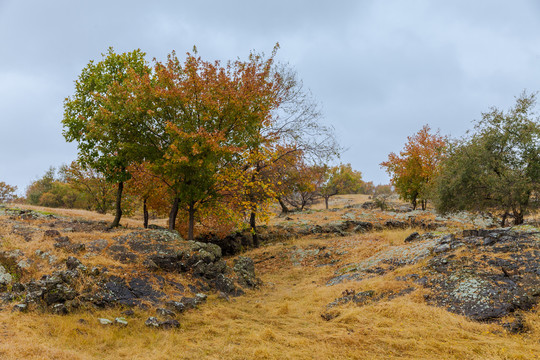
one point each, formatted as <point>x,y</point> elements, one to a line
<point>282,320</point>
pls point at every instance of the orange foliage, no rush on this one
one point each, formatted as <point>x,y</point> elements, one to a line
<point>416,165</point>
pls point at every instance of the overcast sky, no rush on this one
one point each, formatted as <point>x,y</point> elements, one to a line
<point>380,69</point>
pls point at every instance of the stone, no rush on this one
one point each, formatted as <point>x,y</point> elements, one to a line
<point>176,306</point>
<point>128,312</point>
<point>120,321</point>
<point>59,309</point>
<point>104,321</point>
<point>441,248</point>
<point>169,324</point>
<point>447,239</point>
<point>97,245</point>
<point>165,312</point>
<point>152,322</point>
<point>5,277</point>
<point>51,233</point>
<point>412,237</point>
<point>73,263</point>
<point>20,307</point>
<point>24,264</point>
<point>245,269</point>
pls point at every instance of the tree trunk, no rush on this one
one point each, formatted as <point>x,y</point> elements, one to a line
<point>424,204</point>
<point>145,214</point>
<point>326,201</point>
<point>253,225</point>
<point>173,213</point>
<point>518,217</point>
<point>284,208</point>
<point>118,216</point>
<point>503,219</point>
<point>191,224</point>
<point>414,203</point>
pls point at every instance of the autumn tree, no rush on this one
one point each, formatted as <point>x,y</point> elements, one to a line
<point>341,179</point>
<point>383,189</point>
<point>413,170</point>
<point>201,116</point>
<point>98,192</point>
<point>148,188</point>
<point>497,167</point>
<point>108,138</point>
<point>7,192</point>
<point>295,126</point>
<point>303,183</point>
<point>41,186</point>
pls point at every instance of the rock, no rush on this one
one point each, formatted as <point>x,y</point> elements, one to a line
<point>73,263</point>
<point>245,269</point>
<point>490,281</point>
<point>20,307</point>
<point>128,312</point>
<point>51,233</point>
<point>395,224</point>
<point>117,291</point>
<point>329,315</point>
<point>516,326</point>
<point>120,321</point>
<point>176,306</point>
<point>23,264</point>
<point>59,309</point>
<point>224,296</point>
<point>58,293</point>
<point>165,312</point>
<point>104,321</point>
<point>412,237</point>
<point>63,242</point>
<point>441,248</point>
<point>169,324</point>
<point>225,285</point>
<point>5,277</point>
<point>97,245</point>
<point>447,239</point>
<point>152,321</point>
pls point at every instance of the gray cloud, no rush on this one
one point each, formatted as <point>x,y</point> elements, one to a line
<point>381,69</point>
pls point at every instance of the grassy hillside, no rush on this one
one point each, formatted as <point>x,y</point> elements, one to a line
<point>288,317</point>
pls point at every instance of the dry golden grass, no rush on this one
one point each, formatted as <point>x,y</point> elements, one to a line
<point>280,321</point>
<point>133,222</point>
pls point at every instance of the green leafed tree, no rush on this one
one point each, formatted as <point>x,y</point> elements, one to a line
<point>108,138</point>
<point>342,179</point>
<point>497,168</point>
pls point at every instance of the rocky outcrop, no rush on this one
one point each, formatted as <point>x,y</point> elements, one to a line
<point>498,275</point>
<point>157,251</point>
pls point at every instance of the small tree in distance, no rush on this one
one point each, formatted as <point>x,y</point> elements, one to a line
<point>413,170</point>
<point>341,179</point>
<point>7,192</point>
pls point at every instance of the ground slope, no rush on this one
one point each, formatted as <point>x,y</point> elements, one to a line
<point>300,312</point>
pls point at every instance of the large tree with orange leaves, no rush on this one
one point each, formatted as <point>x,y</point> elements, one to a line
<point>414,169</point>
<point>203,116</point>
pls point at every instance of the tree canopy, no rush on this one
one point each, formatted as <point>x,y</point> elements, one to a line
<point>496,168</point>
<point>208,132</point>
<point>108,138</point>
<point>414,169</point>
